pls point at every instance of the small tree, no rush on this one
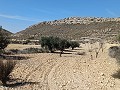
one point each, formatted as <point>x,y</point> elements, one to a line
<point>63,45</point>
<point>51,43</point>
<point>74,44</point>
<point>3,41</point>
<point>54,43</point>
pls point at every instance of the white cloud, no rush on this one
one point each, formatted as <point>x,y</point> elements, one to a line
<point>112,13</point>
<point>17,17</point>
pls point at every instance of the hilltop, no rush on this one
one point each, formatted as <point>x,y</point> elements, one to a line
<point>73,28</point>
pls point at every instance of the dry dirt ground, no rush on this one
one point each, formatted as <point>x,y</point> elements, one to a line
<point>49,71</point>
<point>21,46</point>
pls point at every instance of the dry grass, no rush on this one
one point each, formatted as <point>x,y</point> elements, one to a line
<point>6,67</point>
<point>21,46</point>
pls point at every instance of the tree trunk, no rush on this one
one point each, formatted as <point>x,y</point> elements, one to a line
<point>61,53</point>
<point>4,82</point>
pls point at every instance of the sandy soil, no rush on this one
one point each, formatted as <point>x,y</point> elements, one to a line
<point>49,71</point>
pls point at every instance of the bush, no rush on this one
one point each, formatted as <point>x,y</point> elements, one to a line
<point>74,44</point>
<point>3,41</point>
<point>7,52</point>
<point>14,51</point>
<point>51,43</point>
<point>33,50</point>
<point>63,44</point>
<point>56,43</point>
<point>114,52</point>
<point>47,42</point>
<point>42,50</point>
<point>6,67</point>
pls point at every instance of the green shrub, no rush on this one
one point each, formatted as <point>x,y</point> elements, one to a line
<point>74,44</point>
<point>15,51</point>
<point>32,50</point>
<point>63,44</point>
<point>54,43</point>
<point>51,43</point>
<point>3,40</point>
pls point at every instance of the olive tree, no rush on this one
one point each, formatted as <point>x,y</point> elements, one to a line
<point>63,44</point>
<point>74,44</point>
<point>52,43</point>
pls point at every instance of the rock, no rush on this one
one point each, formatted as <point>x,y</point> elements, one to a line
<point>102,74</point>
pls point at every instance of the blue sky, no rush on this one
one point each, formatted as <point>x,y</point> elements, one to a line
<point>16,15</point>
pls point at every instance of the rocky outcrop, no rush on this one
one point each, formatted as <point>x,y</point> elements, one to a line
<point>77,20</point>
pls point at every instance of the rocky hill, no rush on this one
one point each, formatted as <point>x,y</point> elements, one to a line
<point>73,28</point>
<point>5,32</point>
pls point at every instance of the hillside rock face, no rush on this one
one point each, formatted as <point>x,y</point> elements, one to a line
<point>73,28</point>
<point>79,20</point>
